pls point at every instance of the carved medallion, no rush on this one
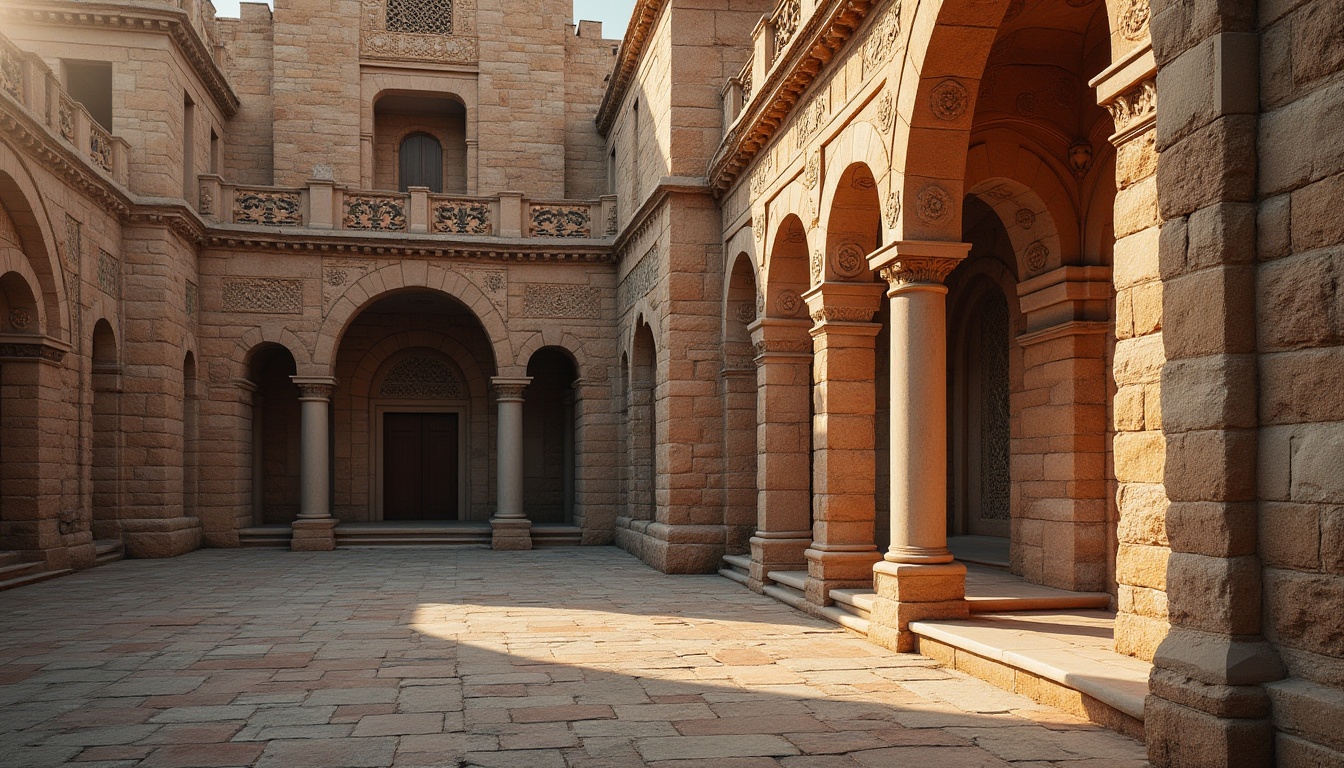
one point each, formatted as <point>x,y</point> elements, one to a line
<point>789,303</point>
<point>1025,218</point>
<point>20,318</point>
<point>1134,19</point>
<point>1037,255</point>
<point>848,259</point>
<point>934,204</point>
<point>948,100</point>
<point>746,312</point>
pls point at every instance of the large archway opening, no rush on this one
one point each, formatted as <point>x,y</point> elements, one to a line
<point>105,474</point>
<point>275,436</point>
<point>413,423</point>
<point>548,437</point>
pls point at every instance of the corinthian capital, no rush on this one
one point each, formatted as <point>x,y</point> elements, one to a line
<point>905,271</point>
<point>314,387</point>
<point>509,388</point>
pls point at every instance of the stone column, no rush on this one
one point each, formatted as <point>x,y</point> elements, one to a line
<point>784,445</point>
<point>917,578</point>
<point>510,527</point>
<point>843,549</point>
<point>315,528</point>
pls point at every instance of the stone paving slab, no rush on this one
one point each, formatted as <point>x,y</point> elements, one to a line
<point>572,658</point>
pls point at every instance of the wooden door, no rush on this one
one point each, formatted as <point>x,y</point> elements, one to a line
<point>420,466</point>
<point>421,163</point>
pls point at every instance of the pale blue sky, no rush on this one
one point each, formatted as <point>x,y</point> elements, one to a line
<point>614,14</point>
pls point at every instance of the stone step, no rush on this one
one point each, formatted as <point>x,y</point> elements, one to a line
<point>19,569</point>
<point>108,551</point>
<point>787,588</point>
<point>989,590</point>
<point>842,615</point>
<point>858,602</point>
<point>554,535</point>
<point>737,568</point>
<point>30,578</point>
<point>265,536</point>
<point>10,557</point>
<point>792,579</point>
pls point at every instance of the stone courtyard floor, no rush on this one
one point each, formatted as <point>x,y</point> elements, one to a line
<point>444,657</point>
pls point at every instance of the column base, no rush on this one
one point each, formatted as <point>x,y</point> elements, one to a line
<point>316,534</point>
<point>776,551</point>
<point>909,592</point>
<point>848,567</point>
<point>161,538</point>
<point>510,533</point>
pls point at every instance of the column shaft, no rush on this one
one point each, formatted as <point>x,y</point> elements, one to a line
<point>510,528</point>
<point>315,528</point>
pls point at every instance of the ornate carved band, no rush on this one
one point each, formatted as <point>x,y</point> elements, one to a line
<point>1135,107</point>
<point>30,352</point>
<point>842,315</point>
<point>508,391</point>
<point>309,390</point>
<point>919,269</point>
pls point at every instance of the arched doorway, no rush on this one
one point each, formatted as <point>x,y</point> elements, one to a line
<point>413,426</point>
<point>420,140</point>
<point>739,408</point>
<point>548,437</point>
<point>106,470</point>
<point>643,425</point>
<point>275,437</point>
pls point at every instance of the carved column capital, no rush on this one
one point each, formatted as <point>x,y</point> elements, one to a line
<point>908,264</point>
<point>509,389</point>
<point>317,388</point>
<point>779,338</point>
<point>843,302</point>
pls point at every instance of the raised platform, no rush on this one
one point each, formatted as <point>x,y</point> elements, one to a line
<point>427,533</point>
<point>981,550</point>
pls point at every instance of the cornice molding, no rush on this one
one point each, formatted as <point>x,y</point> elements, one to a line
<point>627,61</point>
<point>328,243</point>
<point>173,22</point>
<point>37,141</point>
<point>828,29</point>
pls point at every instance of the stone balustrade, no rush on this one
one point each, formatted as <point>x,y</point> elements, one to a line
<point>28,80</point>
<point>770,40</point>
<point>325,205</point>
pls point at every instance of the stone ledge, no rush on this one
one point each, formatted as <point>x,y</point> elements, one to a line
<point>1119,682</point>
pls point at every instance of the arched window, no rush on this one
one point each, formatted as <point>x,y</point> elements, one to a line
<point>421,162</point>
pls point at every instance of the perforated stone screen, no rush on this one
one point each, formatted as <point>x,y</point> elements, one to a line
<point>425,17</point>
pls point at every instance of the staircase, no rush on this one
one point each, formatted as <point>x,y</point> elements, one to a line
<point>15,571</point>
<point>787,588</point>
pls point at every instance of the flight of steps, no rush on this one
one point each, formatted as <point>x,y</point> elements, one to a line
<point>380,535</point>
<point>736,568</point>
<point>15,571</point>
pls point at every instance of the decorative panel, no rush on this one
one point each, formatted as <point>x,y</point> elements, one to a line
<point>439,31</point>
<point>562,300</point>
<point>421,377</point>
<point>263,294</point>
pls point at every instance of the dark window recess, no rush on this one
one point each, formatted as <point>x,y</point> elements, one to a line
<point>90,83</point>
<point>421,163</point>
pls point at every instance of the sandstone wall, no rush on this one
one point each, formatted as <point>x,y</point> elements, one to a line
<point>1299,328</point>
<point>249,64</point>
<point>588,61</point>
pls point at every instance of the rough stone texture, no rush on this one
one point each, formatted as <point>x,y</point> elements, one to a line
<point>568,657</point>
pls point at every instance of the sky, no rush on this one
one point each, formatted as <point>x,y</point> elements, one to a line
<point>614,14</point>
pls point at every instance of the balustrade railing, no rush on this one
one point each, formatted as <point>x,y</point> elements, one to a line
<point>26,79</point>
<point>324,205</point>
<point>770,40</point>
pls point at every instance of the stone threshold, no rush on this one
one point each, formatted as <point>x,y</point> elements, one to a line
<point>1061,658</point>
<point>413,533</point>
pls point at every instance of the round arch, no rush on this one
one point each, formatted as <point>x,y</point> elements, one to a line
<point>787,274</point>
<point>394,278</point>
<point>1038,244</point>
<point>257,339</point>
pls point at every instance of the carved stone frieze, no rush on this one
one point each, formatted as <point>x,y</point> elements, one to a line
<point>30,352</point>
<point>562,300</point>
<point>787,17</point>
<point>560,221</point>
<point>109,273</point>
<point>814,267</point>
<point>263,295</point>
<point>812,117</point>
<point>100,147</point>
<point>781,346</point>
<point>1134,107</point>
<point>1134,19</point>
<point>639,281</point>
<point>190,298</point>
<point>812,172</point>
<point>438,31</point>
<point>273,209</point>
<point>461,217</point>
<point>311,390</point>
<point>11,70</point>
<point>918,269</point>
<point>883,40</point>
<point>65,117</point>
<point>383,213</point>
<point>205,201</point>
<point>886,113</point>
<point>842,315</point>
<point>421,377</point>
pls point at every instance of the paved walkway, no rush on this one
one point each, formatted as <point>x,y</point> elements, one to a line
<point>569,657</point>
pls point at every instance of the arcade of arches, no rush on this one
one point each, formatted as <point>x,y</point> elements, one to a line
<point>1003,331</point>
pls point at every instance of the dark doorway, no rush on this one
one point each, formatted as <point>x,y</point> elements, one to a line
<point>421,163</point>
<point>420,466</point>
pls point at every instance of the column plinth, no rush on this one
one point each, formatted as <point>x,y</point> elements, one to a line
<point>917,578</point>
<point>510,528</point>
<point>314,530</point>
